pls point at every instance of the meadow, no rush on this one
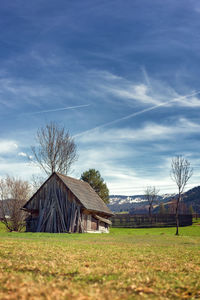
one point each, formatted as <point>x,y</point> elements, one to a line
<point>125,264</point>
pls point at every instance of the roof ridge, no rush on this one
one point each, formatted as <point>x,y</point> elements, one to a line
<point>67,176</point>
<point>73,179</point>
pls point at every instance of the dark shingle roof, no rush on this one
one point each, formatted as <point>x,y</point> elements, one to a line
<point>85,194</point>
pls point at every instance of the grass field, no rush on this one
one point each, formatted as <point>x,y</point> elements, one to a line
<point>125,264</point>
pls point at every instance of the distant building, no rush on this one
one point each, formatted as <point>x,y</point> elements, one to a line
<point>65,204</point>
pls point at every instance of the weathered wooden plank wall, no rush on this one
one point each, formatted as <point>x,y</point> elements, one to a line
<point>58,211</point>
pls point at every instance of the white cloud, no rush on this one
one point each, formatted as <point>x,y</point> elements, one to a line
<point>21,170</point>
<point>148,91</point>
<point>130,92</point>
<point>22,154</point>
<point>189,102</point>
<point>7,146</point>
<point>135,92</point>
<point>150,132</point>
<point>17,92</point>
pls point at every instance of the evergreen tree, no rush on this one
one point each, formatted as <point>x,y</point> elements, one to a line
<point>94,178</point>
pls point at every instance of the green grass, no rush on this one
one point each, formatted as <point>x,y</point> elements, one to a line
<point>2,227</point>
<point>125,264</point>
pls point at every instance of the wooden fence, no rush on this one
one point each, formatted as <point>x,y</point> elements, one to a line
<point>143,221</point>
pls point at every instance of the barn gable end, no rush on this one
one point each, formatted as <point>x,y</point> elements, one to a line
<point>65,204</point>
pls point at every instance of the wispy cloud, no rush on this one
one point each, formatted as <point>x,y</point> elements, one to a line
<point>137,92</point>
<point>150,132</point>
<point>59,109</point>
<point>23,154</point>
<point>146,77</point>
<point>7,146</point>
<point>18,169</point>
<point>177,99</point>
<point>192,102</point>
<point>18,92</point>
<point>144,92</point>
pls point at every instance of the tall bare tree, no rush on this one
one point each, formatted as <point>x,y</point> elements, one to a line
<point>56,150</point>
<point>151,194</point>
<point>181,172</point>
<point>36,182</point>
<point>13,195</point>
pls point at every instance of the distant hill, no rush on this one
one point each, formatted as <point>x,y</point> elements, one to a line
<point>192,197</point>
<point>120,203</point>
<point>138,205</point>
<point>135,204</point>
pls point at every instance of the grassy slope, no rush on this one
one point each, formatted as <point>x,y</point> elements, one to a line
<point>125,264</point>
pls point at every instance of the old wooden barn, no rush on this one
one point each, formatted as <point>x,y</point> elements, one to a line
<point>65,204</point>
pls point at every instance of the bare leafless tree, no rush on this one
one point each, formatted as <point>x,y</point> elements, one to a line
<point>151,194</point>
<point>13,195</point>
<point>36,182</point>
<point>181,172</point>
<point>56,150</point>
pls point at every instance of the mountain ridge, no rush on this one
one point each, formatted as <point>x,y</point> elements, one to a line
<point>138,203</point>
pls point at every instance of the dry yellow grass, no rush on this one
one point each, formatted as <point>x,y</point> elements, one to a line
<point>126,264</point>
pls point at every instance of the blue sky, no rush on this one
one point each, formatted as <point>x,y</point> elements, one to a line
<point>121,76</point>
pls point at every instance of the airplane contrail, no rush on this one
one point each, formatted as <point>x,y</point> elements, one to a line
<point>59,109</point>
<point>137,113</point>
